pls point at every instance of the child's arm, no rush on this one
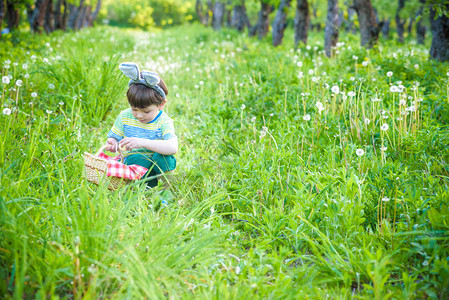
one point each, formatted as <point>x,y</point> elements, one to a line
<point>164,147</point>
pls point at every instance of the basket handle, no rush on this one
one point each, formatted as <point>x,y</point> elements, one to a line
<point>117,149</point>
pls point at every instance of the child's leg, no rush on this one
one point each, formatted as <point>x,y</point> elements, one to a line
<point>144,161</point>
<point>163,166</point>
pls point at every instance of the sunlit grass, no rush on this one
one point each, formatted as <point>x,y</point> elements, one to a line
<point>298,175</point>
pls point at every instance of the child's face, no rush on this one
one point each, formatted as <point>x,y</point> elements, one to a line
<point>146,114</point>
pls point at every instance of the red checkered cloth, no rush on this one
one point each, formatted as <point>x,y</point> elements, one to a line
<point>118,169</point>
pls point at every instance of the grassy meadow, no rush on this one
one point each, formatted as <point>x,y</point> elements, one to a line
<point>299,176</point>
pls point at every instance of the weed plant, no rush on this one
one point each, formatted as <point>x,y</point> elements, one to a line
<point>299,175</point>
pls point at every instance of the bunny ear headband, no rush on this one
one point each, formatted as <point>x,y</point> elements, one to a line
<point>150,79</point>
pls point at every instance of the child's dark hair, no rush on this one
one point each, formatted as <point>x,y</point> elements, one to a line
<point>141,96</point>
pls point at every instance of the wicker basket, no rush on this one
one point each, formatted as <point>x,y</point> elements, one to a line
<point>96,169</point>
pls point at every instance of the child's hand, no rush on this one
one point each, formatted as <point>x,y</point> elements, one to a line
<point>112,145</point>
<point>132,143</point>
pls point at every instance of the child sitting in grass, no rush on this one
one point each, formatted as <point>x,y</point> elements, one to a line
<point>144,131</point>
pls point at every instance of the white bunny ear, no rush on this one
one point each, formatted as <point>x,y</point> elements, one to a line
<point>130,69</point>
<point>150,78</point>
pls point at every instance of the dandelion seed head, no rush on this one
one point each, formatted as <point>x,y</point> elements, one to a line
<point>243,107</point>
<point>51,86</point>
<point>6,111</point>
<point>394,89</point>
<point>389,73</point>
<point>19,82</point>
<point>34,94</point>
<point>335,89</point>
<point>360,152</point>
<point>384,127</point>
<point>306,117</point>
<point>367,121</point>
<point>385,199</point>
<point>5,80</point>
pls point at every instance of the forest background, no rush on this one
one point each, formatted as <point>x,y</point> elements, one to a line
<point>313,159</point>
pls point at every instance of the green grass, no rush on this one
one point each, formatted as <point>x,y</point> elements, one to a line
<point>270,198</point>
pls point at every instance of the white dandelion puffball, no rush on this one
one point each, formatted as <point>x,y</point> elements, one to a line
<point>394,89</point>
<point>299,64</point>
<point>19,82</point>
<point>351,94</point>
<point>6,111</point>
<point>5,80</point>
<point>389,73</point>
<point>385,199</point>
<point>34,94</point>
<point>306,117</point>
<point>384,127</point>
<point>335,89</point>
<point>243,107</point>
<point>367,121</point>
<point>51,86</point>
<point>383,148</point>
<point>359,152</point>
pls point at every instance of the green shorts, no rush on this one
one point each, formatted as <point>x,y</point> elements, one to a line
<point>156,165</point>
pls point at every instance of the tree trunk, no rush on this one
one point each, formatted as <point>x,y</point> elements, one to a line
<point>280,22</point>
<point>263,22</point>
<point>86,20</point>
<point>386,28</point>
<point>12,15</point>
<point>37,16</point>
<point>49,18</point>
<point>74,12</point>
<point>410,25</point>
<point>440,35</point>
<point>218,14</point>
<point>228,15</point>
<point>2,13</point>
<point>302,20</point>
<point>239,17</point>
<point>94,15</point>
<point>80,16</point>
<point>331,30</point>
<point>420,28</point>
<point>208,14</point>
<point>400,22</point>
<point>369,29</point>
<point>199,12</point>
<point>58,15</point>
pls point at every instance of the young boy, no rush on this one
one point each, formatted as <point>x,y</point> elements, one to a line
<point>144,131</point>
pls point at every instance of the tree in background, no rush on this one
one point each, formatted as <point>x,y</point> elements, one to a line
<point>369,29</point>
<point>280,22</point>
<point>331,29</point>
<point>2,13</point>
<point>302,21</point>
<point>263,22</point>
<point>439,25</point>
<point>400,22</point>
<point>218,14</point>
<point>239,19</point>
<point>49,15</point>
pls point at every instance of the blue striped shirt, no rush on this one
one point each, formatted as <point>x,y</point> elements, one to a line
<point>126,125</point>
